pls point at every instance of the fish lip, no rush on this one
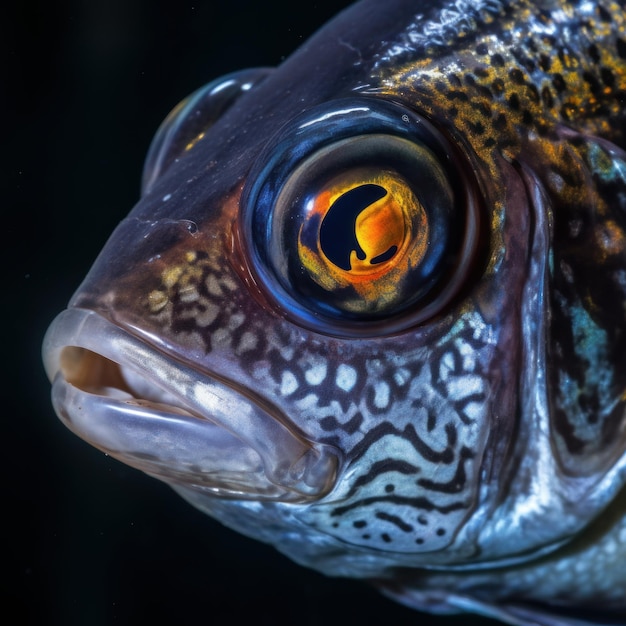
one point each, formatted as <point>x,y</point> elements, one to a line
<point>191,428</point>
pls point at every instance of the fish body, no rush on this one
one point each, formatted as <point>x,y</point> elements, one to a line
<point>371,307</point>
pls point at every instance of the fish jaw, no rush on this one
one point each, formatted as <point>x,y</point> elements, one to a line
<point>159,415</point>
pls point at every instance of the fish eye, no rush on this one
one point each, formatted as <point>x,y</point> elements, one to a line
<point>359,222</point>
<point>191,118</point>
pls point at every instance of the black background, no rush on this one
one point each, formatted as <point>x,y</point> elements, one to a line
<point>88,541</point>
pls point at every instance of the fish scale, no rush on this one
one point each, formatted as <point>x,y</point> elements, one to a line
<point>427,388</point>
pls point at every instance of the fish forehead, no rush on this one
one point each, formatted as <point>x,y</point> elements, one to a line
<point>501,77</point>
<point>506,78</point>
<point>412,414</point>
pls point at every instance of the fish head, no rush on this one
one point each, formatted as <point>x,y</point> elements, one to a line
<point>328,323</point>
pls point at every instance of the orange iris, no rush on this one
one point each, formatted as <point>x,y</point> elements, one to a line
<point>364,229</point>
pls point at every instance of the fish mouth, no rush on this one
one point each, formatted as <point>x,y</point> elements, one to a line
<point>186,427</point>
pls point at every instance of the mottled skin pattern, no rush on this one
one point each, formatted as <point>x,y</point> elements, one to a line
<point>481,452</point>
<point>545,91</point>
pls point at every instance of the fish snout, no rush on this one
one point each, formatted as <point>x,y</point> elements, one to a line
<point>185,427</point>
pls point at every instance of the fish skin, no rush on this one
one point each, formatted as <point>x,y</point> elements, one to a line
<point>500,421</point>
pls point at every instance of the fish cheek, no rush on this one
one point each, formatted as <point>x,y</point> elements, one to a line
<point>433,442</point>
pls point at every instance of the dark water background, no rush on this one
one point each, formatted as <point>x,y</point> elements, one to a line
<point>86,540</point>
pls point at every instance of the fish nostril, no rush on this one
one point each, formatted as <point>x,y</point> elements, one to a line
<point>90,371</point>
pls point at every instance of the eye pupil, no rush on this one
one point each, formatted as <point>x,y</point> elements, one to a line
<point>338,232</point>
<point>385,256</point>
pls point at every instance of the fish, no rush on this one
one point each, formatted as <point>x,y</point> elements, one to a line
<point>371,308</point>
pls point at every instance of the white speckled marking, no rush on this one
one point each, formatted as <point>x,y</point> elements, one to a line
<point>467,353</point>
<point>402,376</point>
<point>446,365</point>
<point>463,386</point>
<point>473,410</point>
<point>208,316</point>
<point>188,293</point>
<point>346,377</point>
<point>212,285</point>
<point>288,384</point>
<point>247,342</point>
<point>381,395</point>
<point>316,374</point>
<point>236,320</point>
